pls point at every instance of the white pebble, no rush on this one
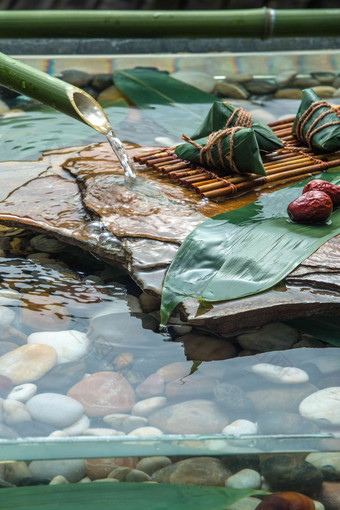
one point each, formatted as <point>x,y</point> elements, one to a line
<point>322,406</point>
<point>23,392</point>
<point>318,505</point>
<point>59,480</point>
<point>148,406</point>
<point>78,427</point>
<point>239,428</point>
<point>15,412</point>
<point>244,479</point>
<point>58,433</point>
<point>98,432</point>
<point>70,345</point>
<point>281,375</point>
<point>125,422</point>
<point>146,431</point>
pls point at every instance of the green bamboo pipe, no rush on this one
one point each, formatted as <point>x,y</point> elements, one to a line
<point>260,23</point>
<point>53,92</point>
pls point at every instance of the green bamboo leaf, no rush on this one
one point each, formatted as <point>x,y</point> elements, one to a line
<point>103,496</point>
<point>324,328</point>
<point>246,154</point>
<point>167,101</point>
<point>217,118</point>
<point>244,252</point>
<point>327,139</point>
<point>25,136</point>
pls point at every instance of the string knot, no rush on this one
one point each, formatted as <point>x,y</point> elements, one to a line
<point>312,130</point>
<point>216,139</point>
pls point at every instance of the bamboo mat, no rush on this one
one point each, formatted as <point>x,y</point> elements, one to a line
<point>283,166</point>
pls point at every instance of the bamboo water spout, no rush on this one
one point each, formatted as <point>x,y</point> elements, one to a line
<point>53,92</point>
<point>64,97</point>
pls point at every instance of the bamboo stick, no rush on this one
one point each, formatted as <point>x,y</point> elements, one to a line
<point>53,92</point>
<point>260,181</point>
<point>143,157</point>
<point>256,23</point>
<point>175,166</point>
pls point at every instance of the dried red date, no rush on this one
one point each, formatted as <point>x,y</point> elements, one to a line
<point>311,207</point>
<point>331,189</point>
<point>287,501</point>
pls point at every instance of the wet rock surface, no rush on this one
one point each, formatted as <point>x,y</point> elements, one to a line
<point>143,234</point>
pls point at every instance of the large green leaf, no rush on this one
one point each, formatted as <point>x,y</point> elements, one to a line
<point>25,136</point>
<point>246,251</point>
<point>173,104</point>
<point>324,328</point>
<point>129,496</point>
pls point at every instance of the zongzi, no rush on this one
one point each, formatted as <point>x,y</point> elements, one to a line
<point>221,114</point>
<point>317,123</point>
<point>230,150</point>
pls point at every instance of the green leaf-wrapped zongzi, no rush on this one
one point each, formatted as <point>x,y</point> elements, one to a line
<point>236,151</point>
<point>220,113</point>
<point>317,123</point>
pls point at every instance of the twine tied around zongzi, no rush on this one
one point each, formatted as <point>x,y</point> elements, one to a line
<point>312,130</point>
<point>215,139</point>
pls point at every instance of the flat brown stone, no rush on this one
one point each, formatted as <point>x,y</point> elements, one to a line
<point>80,198</point>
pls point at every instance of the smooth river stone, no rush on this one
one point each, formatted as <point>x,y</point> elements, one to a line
<point>104,393</point>
<point>195,386</point>
<point>283,422</point>
<point>322,406</point>
<point>125,422</point>
<point>15,412</point>
<point>151,464</point>
<point>239,428</point>
<point>280,375</point>
<point>271,337</point>
<point>146,432</point>
<point>234,90</point>
<point>206,348</point>
<point>54,409</point>
<point>202,81</point>
<point>72,469</point>
<point>174,370</point>
<point>190,417</point>
<point>78,427</point>
<point>327,462</point>
<point>244,479</point>
<point>194,471</point>
<point>28,363</point>
<point>70,345</point>
<point>148,406</point>
<point>280,398</point>
<point>101,468</point>
<point>23,392</point>
<point>284,472</point>
<point>151,387</point>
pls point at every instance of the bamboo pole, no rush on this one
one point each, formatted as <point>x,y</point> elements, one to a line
<point>53,92</point>
<point>261,23</point>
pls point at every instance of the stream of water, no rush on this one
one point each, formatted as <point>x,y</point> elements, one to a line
<point>123,158</point>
